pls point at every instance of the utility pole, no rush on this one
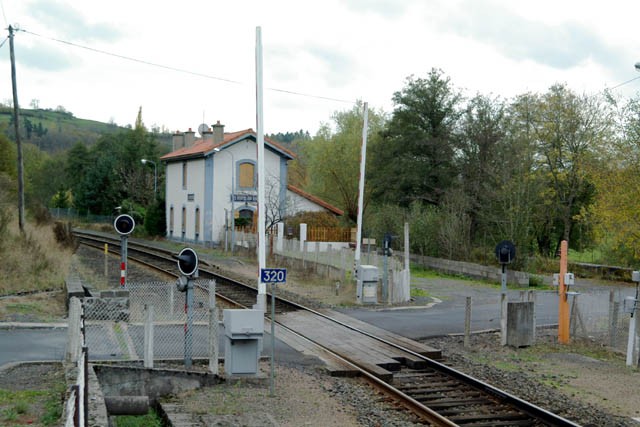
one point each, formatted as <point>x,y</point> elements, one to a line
<point>16,125</point>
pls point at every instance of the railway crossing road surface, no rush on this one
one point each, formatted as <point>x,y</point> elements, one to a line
<point>444,314</point>
<point>444,310</point>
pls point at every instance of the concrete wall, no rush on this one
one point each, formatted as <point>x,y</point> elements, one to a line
<point>475,271</point>
<point>139,381</point>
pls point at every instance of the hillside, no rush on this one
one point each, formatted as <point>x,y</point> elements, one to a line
<point>56,130</point>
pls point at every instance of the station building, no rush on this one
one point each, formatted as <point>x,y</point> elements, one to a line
<point>215,176</point>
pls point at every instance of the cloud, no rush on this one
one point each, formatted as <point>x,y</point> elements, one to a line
<point>336,66</point>
<point>70,23</point>
<point>561,46</point>
<point>43,58</point>
<point>385,8</point>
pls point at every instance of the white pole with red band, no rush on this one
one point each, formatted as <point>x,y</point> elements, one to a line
<point>124,225</point>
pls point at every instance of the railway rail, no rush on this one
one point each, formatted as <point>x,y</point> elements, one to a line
<point>436,393</point>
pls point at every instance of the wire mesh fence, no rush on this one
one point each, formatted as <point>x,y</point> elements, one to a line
<point>599,315</point>
<point>151,317</point>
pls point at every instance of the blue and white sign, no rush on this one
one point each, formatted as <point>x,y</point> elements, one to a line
<point>273,275</point>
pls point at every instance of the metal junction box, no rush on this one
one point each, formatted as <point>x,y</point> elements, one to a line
<point>367,284</point>
<point>243,330</point>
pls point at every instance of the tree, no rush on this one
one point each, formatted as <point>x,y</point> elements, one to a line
<point>616,174</point>
<point>569,130</point>
<point>111,173</point>
<point>414,160</point>
<point>333,158</point>
<point>479,157</point>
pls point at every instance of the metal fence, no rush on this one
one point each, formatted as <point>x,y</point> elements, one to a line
<point>150,323</point>
<point>599,315</point>
<point>73,214</point>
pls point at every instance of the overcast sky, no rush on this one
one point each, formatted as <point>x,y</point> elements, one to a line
<point>312,50</point>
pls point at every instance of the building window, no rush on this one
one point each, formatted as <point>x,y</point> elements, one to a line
<point>184,175</point>
<point>184,220</point>
<point>247,175</point>
<point>171,220</point>
<point>197,223</point>
<point>245,218</point>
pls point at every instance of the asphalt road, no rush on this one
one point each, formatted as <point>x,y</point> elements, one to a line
<point>19,345</point>
<point>446,311</point>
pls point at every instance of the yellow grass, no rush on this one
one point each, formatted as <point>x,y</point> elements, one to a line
<point>31,262</point>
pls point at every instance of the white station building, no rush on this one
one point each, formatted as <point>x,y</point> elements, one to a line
<point>208,179</point>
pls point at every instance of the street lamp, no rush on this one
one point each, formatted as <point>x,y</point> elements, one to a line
<point>155,175</point>
<point>233,206</point>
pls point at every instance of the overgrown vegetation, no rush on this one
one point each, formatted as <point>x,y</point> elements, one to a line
<point>42,407</point>
<point>152,419</point>
<point>33,260</point>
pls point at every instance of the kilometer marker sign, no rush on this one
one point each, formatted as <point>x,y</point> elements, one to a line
<point>273,275</point>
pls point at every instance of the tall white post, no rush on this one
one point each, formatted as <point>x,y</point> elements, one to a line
<point>261,303</point>
<point>303,236</point>
<point>148,336</point>
<point>406,286</point>
<point>279,242</point>
<point>363,160</point>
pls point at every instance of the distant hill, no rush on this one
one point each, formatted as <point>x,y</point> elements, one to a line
<point>56,130</point>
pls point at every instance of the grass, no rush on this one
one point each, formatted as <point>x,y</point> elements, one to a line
<point>152,419</point>
<point>592,256</point>
<point>26,406</point>
<point>33,261</point>
<point>418,292</point>
<point>46,307</point>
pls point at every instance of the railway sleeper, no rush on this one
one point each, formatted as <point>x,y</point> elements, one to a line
<point>450,403</point>
<point>412,362</point>
<point>490,418</point>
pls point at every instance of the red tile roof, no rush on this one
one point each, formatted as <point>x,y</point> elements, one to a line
<point>202,147</point>
<point>315,200</point>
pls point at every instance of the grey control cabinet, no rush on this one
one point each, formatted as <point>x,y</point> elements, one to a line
<point>243,330</point>
<point>367,284</point>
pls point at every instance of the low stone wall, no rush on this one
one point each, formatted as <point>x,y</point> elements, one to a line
<point>110,305</point>
<point>74,288</point>
<point>329,271</point>
<point>475,271</point>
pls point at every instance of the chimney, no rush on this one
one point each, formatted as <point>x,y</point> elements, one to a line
<point>207,135</point>
<point>189,137</point>
<point>218,133</point>
<point>178,140</point>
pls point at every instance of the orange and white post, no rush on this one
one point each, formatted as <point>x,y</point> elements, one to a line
<point>563,303</point>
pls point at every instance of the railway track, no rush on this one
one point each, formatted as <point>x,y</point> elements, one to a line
<point>435,393</point>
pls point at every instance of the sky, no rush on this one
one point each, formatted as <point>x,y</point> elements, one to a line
<point>192,62</point>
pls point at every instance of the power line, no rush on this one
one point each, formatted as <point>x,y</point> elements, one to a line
<point>4,15</point>
<point>624,83</point>
<point>180,70</point>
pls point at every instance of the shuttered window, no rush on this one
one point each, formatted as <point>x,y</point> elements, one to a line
<point>247,175</point>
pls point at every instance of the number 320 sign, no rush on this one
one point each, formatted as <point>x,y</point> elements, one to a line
<point>273,275</point>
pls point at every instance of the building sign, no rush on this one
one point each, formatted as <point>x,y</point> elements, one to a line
<point>247,198</point>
